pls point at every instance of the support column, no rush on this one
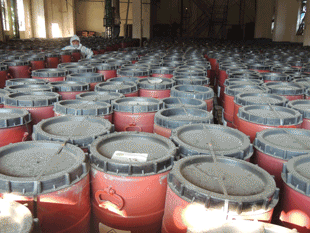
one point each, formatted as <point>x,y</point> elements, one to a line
<point>286,20</point>
<point>307,26</point>
<point>263,20</point>
<point>136,18</point>
<point>137,31</point>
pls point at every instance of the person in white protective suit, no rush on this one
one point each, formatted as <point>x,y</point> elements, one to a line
<point>75,44</point>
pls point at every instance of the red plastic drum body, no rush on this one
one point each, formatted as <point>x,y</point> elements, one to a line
<point>51,79</point>
<point>15,134</point>
<point>305,124</point>
<point>3,77</point>
<point>20,71</point>
<point>162,131</point>
<point>65,58</point>
<point>69,95</point>
<point>37,65</point>
<point>52,62</point>
<point>157,94</point>
<point>107,74</point>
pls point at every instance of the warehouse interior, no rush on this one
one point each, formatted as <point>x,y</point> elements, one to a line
<point>154,116</point>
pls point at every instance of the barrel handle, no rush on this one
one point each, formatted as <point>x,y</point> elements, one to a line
<point>133,125</point>
<point>109,194</point>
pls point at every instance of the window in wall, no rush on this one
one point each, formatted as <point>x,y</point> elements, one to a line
<point>301,18</point>
<point>5,15</point>
<point>21,15</point>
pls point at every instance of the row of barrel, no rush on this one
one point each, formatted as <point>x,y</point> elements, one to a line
<point>126,174</point>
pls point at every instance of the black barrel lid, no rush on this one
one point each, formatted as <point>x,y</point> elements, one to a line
<point>173,118</point>
<point>100,96</point>
<point>3,67</point>
<point>49,73</point>
<point>68,86</point>
<point>227,183</point>
<point>52,54</point>
<point>25,88</point>
<point>191,80</point>
<point>31,99</point>
<point>245,99</point>
<point>137,104</point>
<point>122,79</point>
<point>237,89</point>
<point>158,152</point>
<point>86,77</point>
<point>2,94</point>
<point>191,72</point>
<point>192,91</point>
<point>195,139</point>
<point>21,81</point>
<point>63,65</point>
<point>155,83</point>
<point>78,130</point>
<point>242,81</point>
<point>80,69</point>
<point>285,88</point>
<point>82,107</point>
<point>162,70</point>
<point>16,62</point>
<point>302,106</point>
<point>296,174</point>
<point>33,57</point>
<point>124,87</point>
<point>11,117</point>
<point>270,115</point>
<point>133,72</point>
<point>283,143</point>
<point>105,66</point>
<point>275,77</point>
<point>33,168</point>
<point>175,102</point>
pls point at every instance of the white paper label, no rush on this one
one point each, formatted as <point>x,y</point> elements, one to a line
<point>129,157</point>
<point>105,229</point>
<point>218,91</point>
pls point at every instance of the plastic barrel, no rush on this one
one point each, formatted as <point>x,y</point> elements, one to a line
<point>196,199</point>
<point>50,75</point>
<point>135,113</point>
<point>76,55</point>
<point>255,118</point>
<point>2,94</point>
<point>273,147</point>
<point>22,81</point>
<point>196,139</point>
<point>108,70</point>
<point>52,60</point>
<point>65,56</point>
<point>290,90</point>
<point>92,78</point>
<point>39,104</point>
<point>192,80</point>
<point>77,130</point>
<point>78,69</point>
<point>194,92</point>
<point>155,87</point>
<point>245,99</point>
<point>124,191</point>
<point>128,89</point>
<point>63,177</point>
<point>162,72</point>
<point>83,108</point>
<point>296,198</point>
<point>167,120</point>
<point>275,77</point>
<point>3,75</point>
<point>175,102</point>
<point>133,72</point>
<point>107,97</point>
<point>14,126</point>
<point>28,88</point>
<point>18,68</point>
<point>69,89</point>
<point>303,106</point>
<point>37,61</point>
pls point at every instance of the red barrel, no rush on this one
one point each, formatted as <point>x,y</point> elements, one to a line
<point>52,60</point>
<point>3,75</point>
<point>302,106</point>
<point>196,200</point>
<point>255,118</point>
<point>69,89</point>
<point>77,69</point>
<point>167,120</point>
<point>84,108</point>
<point>76,55</point>
<point>133,72</point>
<point>50,75</point>
<point>275,77</point>
<point>135,113</point>
<point>2,94</point>
<point>63,177</point>
<point>296,199</point>
<point>107,97</point>
<point>155,87</point>
<point>14,126</point>
<point>24,81</point>
<point>108,70</point>
<point>18,68</point>
<point>231,92</point>
<point>28,88</point>
<point>194,92</point>
<point>273,147</point>
<point>37,61</point>
<point>196,139</point>
<point>223,74</point>
<point>129,181</point>
<point>175,102</point>
<point>91,78</point>
<point>162,72</point>
<point>245,99</point>
<point>65,56</point>
<point>192,80</point>
<point>291,91</point>
<point>128,89</point>
<point>39,104</point>
<point>259,67</point>
<point>77,130</point>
